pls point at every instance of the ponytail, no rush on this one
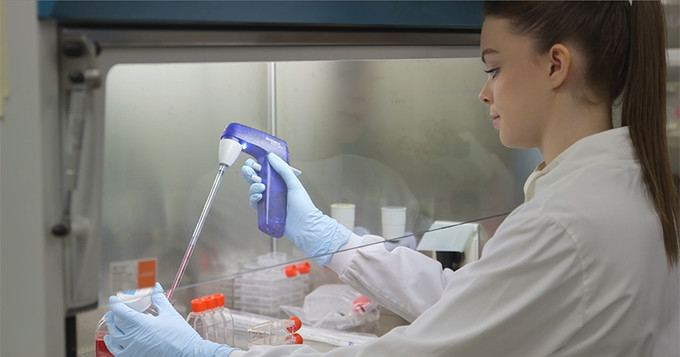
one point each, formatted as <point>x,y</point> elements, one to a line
<point>644,112</point>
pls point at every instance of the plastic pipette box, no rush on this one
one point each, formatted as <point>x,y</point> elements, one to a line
<point>264,290</point>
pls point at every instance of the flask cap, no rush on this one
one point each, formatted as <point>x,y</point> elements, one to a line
<point>219,298</point>
<point>210,302</point>
<point>304,268</point>
<point>290,270</point>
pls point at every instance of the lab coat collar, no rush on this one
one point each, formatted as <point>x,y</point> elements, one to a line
<point>606,146</point>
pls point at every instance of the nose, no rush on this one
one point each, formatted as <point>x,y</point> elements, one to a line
<point>485,94</point>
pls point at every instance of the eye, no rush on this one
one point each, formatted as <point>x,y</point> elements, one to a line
<point>492,71</point>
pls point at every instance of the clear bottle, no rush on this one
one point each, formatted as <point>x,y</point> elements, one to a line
<point>210,321</point>
<point>138,300</point>
<point>225,324</point>
<point>196,317</point>
<point>277,332</point>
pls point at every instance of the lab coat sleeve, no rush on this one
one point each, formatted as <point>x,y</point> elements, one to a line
<point>404,281</point>
<point>525,297</point>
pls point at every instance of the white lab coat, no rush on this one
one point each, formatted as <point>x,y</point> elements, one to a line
<point>579,269</point>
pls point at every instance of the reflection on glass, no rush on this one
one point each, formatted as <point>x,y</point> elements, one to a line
<point>380,133</point>
<point>163,124</point>
<point>268,261</point>
<point>397,133</point>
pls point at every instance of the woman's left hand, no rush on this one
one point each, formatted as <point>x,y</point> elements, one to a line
<point>132,333</point>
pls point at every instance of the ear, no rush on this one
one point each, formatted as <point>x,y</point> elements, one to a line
<point>560,62</point>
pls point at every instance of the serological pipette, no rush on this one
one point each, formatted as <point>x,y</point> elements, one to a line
<point>271,210</point>
<point>197,232</point>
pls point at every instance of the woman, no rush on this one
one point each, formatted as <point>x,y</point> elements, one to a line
<point>587,266</point>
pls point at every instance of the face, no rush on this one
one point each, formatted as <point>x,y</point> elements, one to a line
<point>516,89</point>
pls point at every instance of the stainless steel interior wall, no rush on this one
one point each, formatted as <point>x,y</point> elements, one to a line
<point>397,132</point>
<point>375,133</point>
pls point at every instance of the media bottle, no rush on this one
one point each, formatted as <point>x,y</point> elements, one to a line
<point>138,300</point>
<point>196,317</point>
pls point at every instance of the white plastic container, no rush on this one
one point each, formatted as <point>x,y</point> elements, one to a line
<point>344,213</point>
<point>393,221</point>
<point>138,300</point>
<point>267,285</point>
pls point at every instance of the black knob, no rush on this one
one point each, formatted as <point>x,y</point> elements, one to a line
<point>60,230</point>
<point>73,48</point>
<point>76,77</point>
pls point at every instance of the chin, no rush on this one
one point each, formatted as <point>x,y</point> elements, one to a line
<point>511,142</point>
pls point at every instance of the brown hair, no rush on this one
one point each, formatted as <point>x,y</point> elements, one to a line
<point>624,47</point>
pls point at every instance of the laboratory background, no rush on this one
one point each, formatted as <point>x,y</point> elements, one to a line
<point>110,121</point>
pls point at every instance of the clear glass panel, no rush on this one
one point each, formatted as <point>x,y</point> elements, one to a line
<point>163,125</point>
<point>376,133</point>
<point>397,133</point>
<point>276,294</point>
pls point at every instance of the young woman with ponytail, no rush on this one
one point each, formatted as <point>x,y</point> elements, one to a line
<point>586,266</point>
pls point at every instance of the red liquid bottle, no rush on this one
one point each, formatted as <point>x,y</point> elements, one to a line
<point>139,300</point>
<point>100,347</point>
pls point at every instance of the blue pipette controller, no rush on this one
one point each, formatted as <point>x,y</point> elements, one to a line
<point>271,210</point>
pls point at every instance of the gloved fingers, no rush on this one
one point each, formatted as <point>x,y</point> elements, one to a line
<point>255,193</point>
<point>116,339</point>
<point>112,345</point>
<point>254,199</point>
<point>252,163</point>
<point>256,188</point>
<point>161,302</point>
<point>285,171</point>
<point>111,324</point>
<point>118,308</point>
<point>125,318</point>
<point>250,175</point>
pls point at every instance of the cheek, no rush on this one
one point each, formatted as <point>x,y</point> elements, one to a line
<point>504,98</point>
<point>518,97</point>
<point>518,107</point>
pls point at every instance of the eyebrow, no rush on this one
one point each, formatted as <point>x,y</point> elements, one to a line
<point>487,51</point>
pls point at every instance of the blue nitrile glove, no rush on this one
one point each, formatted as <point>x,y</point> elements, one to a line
<point>316,234</point>
<point>133,333</point>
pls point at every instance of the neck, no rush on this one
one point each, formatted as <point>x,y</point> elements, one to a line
<point>571,123</point>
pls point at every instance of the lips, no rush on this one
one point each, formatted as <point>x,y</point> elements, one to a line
<point>495,119</point>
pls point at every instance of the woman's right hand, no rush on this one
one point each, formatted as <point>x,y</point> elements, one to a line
<point>316,234</point>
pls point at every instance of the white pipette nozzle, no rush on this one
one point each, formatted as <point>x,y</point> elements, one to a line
<point>229,151</point>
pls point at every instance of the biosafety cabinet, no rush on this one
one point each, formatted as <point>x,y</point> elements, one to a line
<point>377,102</point>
